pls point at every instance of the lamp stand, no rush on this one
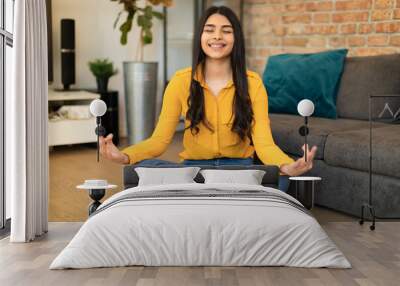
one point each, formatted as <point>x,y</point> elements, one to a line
<point>100,131</point>
<point>303,131</point>
<point>369,204</point>
<point>305,137</point>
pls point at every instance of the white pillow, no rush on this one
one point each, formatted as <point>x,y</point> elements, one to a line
<point>163,176</point>
<point>249,177</point>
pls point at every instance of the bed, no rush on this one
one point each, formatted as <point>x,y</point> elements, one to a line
<point>201,224</point>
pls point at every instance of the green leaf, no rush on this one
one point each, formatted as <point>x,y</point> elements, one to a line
<point>147,37</point>
<point>141,21</point>
<point>131,14</point>
<point>126,27</point>
<point>144,22</point>
<point>124,38</point>
<point>144,19</point>
<point>148,11</point>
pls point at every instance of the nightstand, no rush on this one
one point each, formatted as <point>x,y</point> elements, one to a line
<point>97,190</point>
<point>305,189</point>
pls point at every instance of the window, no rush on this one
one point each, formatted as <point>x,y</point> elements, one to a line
<point>6,44</point>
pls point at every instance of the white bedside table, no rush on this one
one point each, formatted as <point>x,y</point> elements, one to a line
<point>97,190</point>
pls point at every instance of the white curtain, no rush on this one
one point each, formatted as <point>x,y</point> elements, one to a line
<point>26,124</point>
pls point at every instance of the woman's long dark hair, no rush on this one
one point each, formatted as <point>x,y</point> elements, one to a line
<point>241,108</point>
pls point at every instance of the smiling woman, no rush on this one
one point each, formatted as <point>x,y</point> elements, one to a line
<point>217,38</point>
<point>225,107</point>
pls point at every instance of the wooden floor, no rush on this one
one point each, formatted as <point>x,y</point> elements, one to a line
<point>375,256</point>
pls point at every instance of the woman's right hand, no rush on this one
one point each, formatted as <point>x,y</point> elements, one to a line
<point>109,151</point>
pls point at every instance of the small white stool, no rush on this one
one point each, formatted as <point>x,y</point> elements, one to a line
<point>307,197</point>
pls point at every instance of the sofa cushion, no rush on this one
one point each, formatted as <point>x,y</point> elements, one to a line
<point>350,149</point>
<point>289,78</point>
<point>285,131</point>
<point>364,76</point>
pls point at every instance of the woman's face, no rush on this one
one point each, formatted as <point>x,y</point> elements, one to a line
<point>217,37</point>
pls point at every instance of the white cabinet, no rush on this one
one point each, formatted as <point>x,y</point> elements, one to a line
<point>71,131</point>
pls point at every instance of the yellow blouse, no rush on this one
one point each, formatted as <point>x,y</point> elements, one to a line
<point>207,144</point>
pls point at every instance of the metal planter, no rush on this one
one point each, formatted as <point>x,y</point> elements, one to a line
<point>140,82</point>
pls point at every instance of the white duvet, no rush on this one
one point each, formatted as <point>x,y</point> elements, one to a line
<point>185,231</point>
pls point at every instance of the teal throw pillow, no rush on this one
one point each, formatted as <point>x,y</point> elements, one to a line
<point>289,78</point>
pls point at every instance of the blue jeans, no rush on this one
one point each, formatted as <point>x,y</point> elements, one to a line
<point>283,180</point>
<point>283,184</point>
<point>220,162</point>
<point>212,162</point>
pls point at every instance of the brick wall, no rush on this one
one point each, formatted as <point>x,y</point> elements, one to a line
<point>365,27</point>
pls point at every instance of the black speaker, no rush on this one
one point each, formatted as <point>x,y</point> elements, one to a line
<point>110,119</point>
<point>67,52</point>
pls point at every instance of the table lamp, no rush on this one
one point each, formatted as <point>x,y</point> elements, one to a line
<point>98,108</point>
<point>305,108</point>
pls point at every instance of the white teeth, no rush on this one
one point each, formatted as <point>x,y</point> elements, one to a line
<point>216,45</point>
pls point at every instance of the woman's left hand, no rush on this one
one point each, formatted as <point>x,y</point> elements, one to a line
<point>300,166</point>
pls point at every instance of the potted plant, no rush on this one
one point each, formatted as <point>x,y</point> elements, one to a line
<point>102,69</point>
<point>140,78</point>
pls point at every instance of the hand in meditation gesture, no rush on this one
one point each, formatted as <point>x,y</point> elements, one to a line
<point>300,166</point>
<point>109,151</point>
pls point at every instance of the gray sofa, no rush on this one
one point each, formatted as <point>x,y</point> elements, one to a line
<point>342,159</point>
